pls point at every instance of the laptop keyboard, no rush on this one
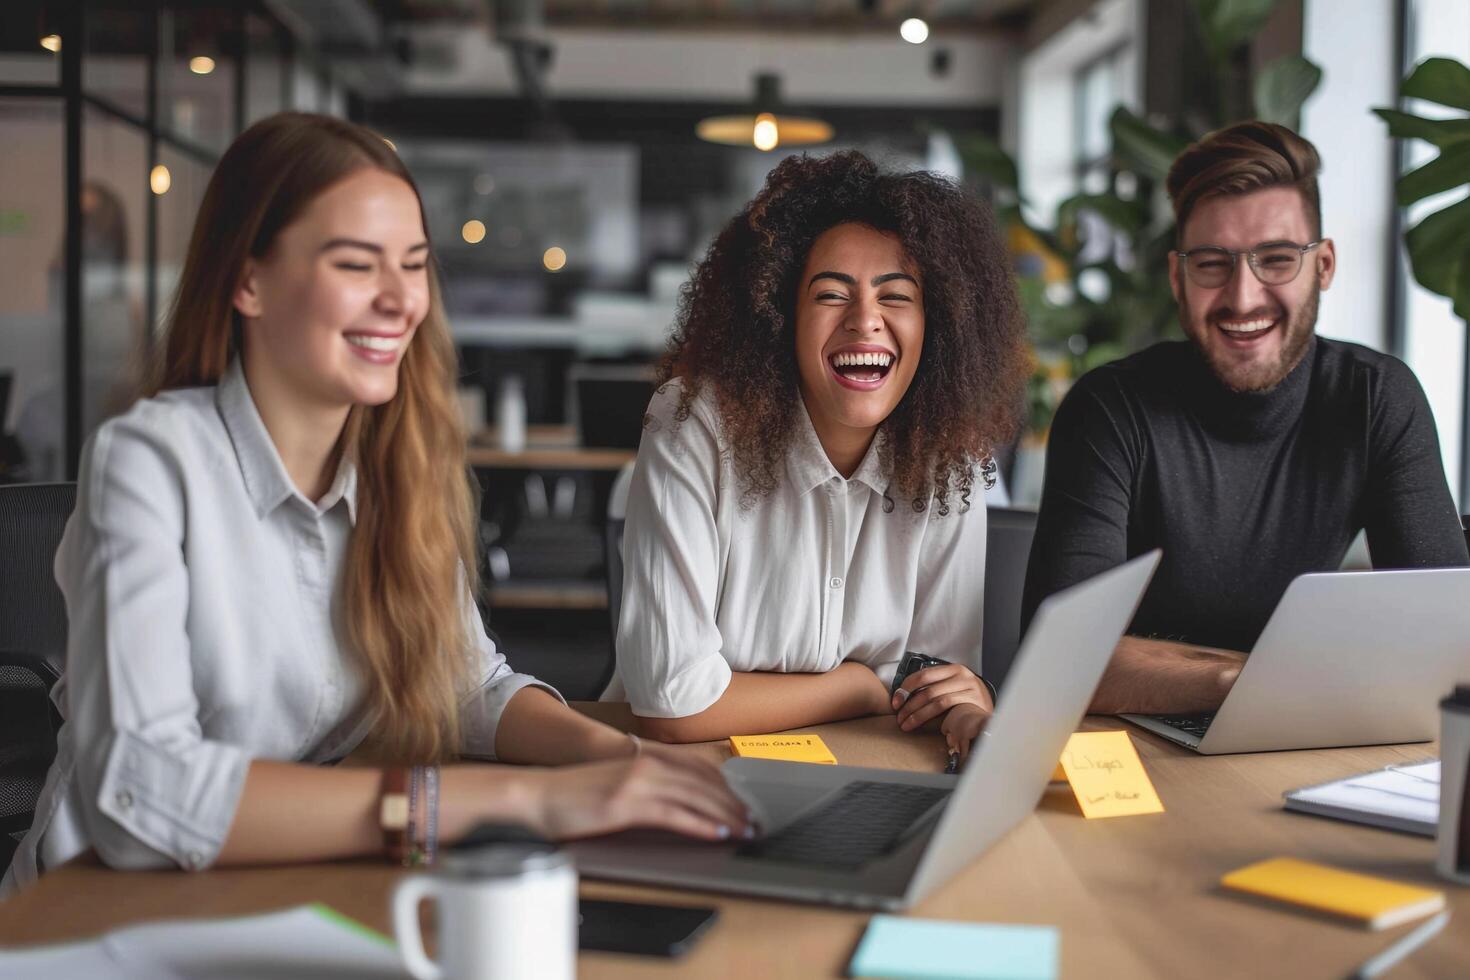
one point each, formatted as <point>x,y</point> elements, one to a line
<point>1193,724</point>
<point>865,821</point>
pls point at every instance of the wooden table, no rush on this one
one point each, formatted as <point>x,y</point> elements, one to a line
<point>548,447</point>
<point>1133,896</point>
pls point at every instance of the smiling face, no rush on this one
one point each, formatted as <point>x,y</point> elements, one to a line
<point>859,334</point>
<point>331,308</point>
<point>1252,334</point>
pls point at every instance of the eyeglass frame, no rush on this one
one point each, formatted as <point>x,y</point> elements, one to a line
<point>1250,261</point>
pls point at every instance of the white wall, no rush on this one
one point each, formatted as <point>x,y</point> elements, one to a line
<point>1357,58</point>
<point>841,69</point>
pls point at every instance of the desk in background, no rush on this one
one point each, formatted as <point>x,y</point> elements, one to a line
<point>1133,896</point>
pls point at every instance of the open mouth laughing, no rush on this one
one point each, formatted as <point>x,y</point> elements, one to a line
<point>1245,333</point>
<point>863,367</point>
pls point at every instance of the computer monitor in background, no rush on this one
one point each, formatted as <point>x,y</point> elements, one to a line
<point>610,402</point>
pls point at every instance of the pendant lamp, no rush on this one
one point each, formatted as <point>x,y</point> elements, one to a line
<point>768,125</point>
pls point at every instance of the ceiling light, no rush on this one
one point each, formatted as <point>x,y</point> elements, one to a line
<point>201,64</point>
<point>768,124</point>
<point>473,231</point>
<point>554,259</point>
<point>914,30</point>
<point>51,42</point>
<point>160,180</point>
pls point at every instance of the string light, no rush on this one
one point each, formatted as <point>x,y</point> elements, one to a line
<point>554,259</point>
<point>160,180</point>
<point>51,42</point>
<point>473,231</point>
<point>201,64</point>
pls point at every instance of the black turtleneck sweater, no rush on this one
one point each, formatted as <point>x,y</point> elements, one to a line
<point>1243,492</point>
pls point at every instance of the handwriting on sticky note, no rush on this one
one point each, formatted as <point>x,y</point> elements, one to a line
<point>799,747</point>
<point>1107,776</point>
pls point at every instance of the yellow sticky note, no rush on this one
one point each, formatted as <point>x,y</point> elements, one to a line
<point>799,747</point>
<point>1107,776</point>
<point>1378,902</point>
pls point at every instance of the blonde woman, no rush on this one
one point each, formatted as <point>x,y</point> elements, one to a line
<point>271,565</point>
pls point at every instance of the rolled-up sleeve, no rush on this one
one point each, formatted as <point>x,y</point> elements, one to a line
<point>669,645</point>
<point>153,791</point>
<point>480,712</point>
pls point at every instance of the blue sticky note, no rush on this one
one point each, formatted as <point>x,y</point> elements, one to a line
<point>928,949</point>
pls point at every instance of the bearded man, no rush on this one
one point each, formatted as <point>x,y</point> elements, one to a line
<point>1252,452</point>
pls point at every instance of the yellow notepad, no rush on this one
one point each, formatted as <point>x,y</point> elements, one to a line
<point>1376,902</point>
<point>799,747</point>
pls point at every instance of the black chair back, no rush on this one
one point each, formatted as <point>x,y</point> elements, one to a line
<point>32,647</point>
<point>1007,550</point>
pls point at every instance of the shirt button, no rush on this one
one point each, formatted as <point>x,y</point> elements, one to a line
<point>836,582</point>
<point>194,860</point>
<point>124,800</point>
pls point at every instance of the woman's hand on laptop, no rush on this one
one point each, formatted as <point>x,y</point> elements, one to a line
<point>659,789</point>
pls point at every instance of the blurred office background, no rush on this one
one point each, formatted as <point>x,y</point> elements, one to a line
<point>560,147</point>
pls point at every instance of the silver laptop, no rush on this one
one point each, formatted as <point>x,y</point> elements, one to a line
<point>884,838</point>
<point>1347,658</point>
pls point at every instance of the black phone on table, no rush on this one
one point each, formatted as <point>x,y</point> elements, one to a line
<point>644,930</point>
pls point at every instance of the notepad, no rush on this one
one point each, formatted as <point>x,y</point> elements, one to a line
<point>1107,776</point>
<point>1376,902</point>
<point>799,747</point>
<point>928,949</point>
<point>309,941</point>
<point>1402,798</point>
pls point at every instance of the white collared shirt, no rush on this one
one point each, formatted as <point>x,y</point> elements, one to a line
<point>202,591</point>
<point>812,575</point>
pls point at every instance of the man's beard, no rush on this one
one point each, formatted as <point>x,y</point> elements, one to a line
<point>1259,376</point>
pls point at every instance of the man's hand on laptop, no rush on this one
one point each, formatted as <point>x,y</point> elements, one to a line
<point>949,696</point>
<point>1164,677</point>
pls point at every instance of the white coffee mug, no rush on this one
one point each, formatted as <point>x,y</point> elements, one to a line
<point>507,912</point>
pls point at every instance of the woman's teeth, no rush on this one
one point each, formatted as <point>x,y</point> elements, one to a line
<point>374,343</point>
<point>868,358</point>
<point>1245,326</point>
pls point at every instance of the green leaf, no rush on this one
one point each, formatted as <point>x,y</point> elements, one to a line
<point>1440,132</point>
<point>1462,292</point>
<point>1148,150</point>
<point>1448,170</point>
<point>1438,247</point>
<point>1126,216</point>
<point>1229,23</point>
<point>1441,80</point>
<point>984,156</point>
<point>1283,86</point>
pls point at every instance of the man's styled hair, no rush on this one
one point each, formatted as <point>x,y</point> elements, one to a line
<point>1239,159</point>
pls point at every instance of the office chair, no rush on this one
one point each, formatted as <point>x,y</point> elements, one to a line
<point>32,647</point>
<point>612,545</point>
<point>1007,550</point>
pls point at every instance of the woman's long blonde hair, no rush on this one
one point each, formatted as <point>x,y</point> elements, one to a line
<point>411,563</point>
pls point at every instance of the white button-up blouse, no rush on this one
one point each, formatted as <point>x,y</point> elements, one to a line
<point>818,572</point>
<point>202,597</point>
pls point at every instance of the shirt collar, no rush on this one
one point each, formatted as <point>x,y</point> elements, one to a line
<point>266,480</point>
<point>808,467</point>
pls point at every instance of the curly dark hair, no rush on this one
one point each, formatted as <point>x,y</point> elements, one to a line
<point>736,324</point>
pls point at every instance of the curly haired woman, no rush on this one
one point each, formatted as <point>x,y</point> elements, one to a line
<point>804,509</point>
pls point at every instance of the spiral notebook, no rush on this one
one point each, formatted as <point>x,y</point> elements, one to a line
<point>1404,798</point>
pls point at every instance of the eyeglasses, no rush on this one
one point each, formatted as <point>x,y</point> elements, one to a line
<point>1274,263</point>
